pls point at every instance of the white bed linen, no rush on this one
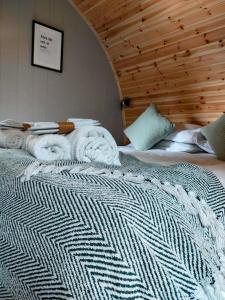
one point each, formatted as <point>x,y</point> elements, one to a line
<point>163,157</point>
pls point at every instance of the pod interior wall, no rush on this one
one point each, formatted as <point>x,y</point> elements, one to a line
<point>167,52</point>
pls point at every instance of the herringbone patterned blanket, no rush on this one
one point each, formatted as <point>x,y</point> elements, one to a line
<point>93,232</point>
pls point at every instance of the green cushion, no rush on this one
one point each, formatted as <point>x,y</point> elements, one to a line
<point>215,134</point>
<point>149,128</point>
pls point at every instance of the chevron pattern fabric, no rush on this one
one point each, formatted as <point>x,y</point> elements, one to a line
<point>87,237</point>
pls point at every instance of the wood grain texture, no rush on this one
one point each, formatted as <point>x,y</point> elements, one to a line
<point>166,52</point>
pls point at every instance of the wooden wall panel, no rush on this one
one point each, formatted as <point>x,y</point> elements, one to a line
<point>171,53</point>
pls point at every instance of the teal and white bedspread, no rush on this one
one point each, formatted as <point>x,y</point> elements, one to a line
<point>85,231</point>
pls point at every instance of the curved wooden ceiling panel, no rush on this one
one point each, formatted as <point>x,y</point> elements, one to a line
<point>170,52</point>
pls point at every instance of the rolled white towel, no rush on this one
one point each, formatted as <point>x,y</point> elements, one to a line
<point>94,143</point>
<point>12,138</point>
<point>48,147</point>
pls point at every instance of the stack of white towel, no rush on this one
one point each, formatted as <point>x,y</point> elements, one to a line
<point>78,123</point>
<point>88,142</point>
<point>45,127</point>
<point>9,124</point>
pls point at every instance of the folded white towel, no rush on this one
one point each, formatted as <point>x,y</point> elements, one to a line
<point>94,143</point>
<point>42,125</point>
<point>43,131</point>
<point>83,122</point>
<point>40,128</point>
<point>12,138</point>
<point>8,123</point>
<point>48,147</point>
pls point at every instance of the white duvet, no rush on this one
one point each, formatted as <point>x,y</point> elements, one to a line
<point>208,161</point>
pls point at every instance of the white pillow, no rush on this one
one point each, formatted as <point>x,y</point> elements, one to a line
<point>183,136</point>
<point>191,135</point>
<point>177,147</point>
<point>191,126</point>
<point>202,143</point>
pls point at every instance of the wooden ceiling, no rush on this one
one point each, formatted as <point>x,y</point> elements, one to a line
<point>170,52</point>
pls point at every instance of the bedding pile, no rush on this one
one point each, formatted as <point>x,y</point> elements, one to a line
<point>84,141</point>
<point>191,139</point>
<point>87,231</point>
<point>151,130</point>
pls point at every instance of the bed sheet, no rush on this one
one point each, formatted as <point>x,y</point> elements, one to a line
<point>163,157</point>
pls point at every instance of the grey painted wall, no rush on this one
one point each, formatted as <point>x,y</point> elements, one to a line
<point>86,88</point>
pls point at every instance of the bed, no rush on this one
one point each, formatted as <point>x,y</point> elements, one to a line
<point>208,161</point>
<point>71,230</point>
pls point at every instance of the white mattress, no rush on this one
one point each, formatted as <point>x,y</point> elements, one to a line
<point>166,158</point>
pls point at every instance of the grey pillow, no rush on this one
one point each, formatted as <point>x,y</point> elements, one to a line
<point>215,134</point>
<point>149,128</point>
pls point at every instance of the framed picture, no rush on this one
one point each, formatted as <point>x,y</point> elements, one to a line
<point>47,47</point>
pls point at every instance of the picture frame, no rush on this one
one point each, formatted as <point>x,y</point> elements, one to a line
<point>47,47</point>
